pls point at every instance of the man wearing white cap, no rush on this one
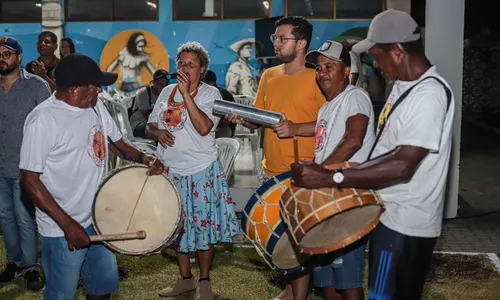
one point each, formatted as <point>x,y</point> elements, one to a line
<point>408,164</point>
<point>344,132</point>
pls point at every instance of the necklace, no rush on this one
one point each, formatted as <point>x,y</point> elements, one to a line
<point>294,73</point>
<point>172,101</point>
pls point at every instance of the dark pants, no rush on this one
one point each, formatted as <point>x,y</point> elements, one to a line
<point>140,130</point>
<point>398,264</point>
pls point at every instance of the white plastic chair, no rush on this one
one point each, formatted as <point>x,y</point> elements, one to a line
<point>228,149</point>
<point>119,113</point>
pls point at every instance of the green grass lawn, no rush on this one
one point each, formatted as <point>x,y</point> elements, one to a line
<point>240,274</point>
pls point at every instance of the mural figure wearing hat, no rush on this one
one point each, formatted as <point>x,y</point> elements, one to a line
<point>239,78</point>
<point>132,59</point>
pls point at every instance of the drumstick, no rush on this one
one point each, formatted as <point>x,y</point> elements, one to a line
<point>137,201</point>
<point>295,149</point>
<point>140,235</point>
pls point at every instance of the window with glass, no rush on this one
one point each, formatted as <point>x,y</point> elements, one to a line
<point>111,10</point>
<point>334,9</point>
<point>20,11</point>
<point>220,9</point>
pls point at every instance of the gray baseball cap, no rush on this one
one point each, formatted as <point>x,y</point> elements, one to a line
<point>390,26</point>
<point>331,50</point>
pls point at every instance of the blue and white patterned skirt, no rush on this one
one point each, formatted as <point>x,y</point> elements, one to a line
<point>209,215</point>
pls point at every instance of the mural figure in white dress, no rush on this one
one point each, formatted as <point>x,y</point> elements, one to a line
<point>131,60</point>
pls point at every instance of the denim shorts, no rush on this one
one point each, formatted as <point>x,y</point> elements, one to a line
<point>346,270</point>
<point>96,265</point>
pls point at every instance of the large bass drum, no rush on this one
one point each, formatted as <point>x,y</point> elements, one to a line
<point>158,211</point>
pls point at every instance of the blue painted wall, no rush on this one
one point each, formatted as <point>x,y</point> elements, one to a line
<point>26,34</point>
<point>216,36</point>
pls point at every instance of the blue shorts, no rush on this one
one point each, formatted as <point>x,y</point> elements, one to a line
<point>96,265</point>
<point>346,271</point>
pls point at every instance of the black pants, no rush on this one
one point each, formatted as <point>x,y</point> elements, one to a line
<point>140,130</point>
<point>398,264</point>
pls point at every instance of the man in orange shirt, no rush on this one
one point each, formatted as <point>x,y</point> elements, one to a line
<point>291,89</point>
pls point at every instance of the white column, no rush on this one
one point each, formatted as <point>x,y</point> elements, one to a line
<point>53,19</point>
<point>209,8</point>
<point>444,41</point>
<point>403,5</point>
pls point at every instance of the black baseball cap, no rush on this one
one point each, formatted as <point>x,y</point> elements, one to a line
<point>80,70</point>
<point>160,73</point>
<point>11,43</point>
<point>210,77</point>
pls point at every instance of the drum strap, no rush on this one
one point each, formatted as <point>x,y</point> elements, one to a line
<point>400,99</point>
<point>125,155</point>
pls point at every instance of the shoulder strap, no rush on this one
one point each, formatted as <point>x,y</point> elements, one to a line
<point>125,155</point>
<point>400,99</point>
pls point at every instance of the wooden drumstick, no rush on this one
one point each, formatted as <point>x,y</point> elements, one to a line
<point>139,235</point>
<point>139,197</point>
<point>295,149</point>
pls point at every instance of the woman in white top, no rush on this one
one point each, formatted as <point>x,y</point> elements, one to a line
<point>183,123</point>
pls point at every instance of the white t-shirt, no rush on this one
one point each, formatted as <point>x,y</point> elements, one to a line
<point>354,66</point>
<point>424,120</point>
<point>191,152</point>
<point>331,125</point>
<point>67,145</point>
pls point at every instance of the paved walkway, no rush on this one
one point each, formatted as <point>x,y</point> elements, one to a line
<point>479,194</point>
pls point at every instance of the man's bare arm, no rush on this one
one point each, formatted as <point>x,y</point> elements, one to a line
<point>352,140</point>
<point>395,167</point>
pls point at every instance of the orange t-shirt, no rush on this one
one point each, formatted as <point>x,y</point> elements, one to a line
<point>300,99</point>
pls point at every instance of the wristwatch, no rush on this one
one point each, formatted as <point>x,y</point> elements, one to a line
<point>338,176</point>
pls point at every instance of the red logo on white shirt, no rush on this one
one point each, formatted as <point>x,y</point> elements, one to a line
<point>97,146</point>
<point>320,135</point>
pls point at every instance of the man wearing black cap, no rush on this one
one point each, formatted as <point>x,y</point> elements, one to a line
<point>344,132</point>
<point>144,101</point>
<point>64,157</point>
<point>20,92</point>
<point>225,128</point>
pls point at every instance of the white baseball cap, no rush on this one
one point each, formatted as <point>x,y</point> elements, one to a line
<point>390,26</point>
<point>332,50</point>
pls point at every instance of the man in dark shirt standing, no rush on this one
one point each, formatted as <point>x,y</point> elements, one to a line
<point>225,128</point>
<point>20,92</point>
<point>45,64</point>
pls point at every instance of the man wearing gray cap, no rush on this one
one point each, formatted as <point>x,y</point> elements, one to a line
<point>408,164</point>
<point>344,132</point>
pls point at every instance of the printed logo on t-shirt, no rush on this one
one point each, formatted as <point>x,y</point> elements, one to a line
<point>174,117</point>
<point>97,146</point>
<point>320,135</point>
<point>383,115</point>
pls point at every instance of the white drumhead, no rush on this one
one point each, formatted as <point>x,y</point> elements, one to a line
<point>158,211</point>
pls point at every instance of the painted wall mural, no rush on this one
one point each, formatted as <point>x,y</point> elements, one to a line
<point>241,78</point>
<point>230,45</point>
<point>134,55</point>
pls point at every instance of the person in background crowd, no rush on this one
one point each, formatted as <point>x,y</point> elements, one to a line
<point>66,47</point>
<point>144,101</point>
<point>45,64</point>
<point>354,76</point>
<point>225,128</point>
<point>20,92</point>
